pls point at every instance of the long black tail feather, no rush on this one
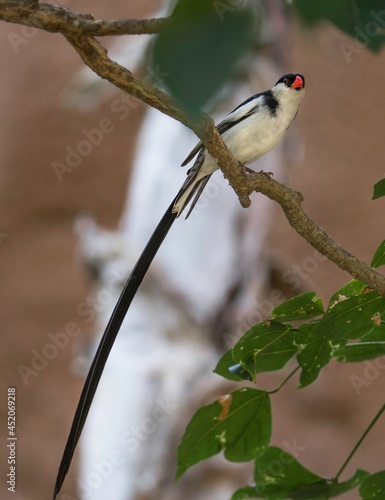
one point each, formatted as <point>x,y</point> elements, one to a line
<point>108,339</point>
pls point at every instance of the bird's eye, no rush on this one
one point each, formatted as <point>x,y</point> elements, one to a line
<point>286,81</point>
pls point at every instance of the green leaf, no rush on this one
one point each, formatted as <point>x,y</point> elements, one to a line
<point>265,347</point>
<point>377,334</point>
<point>304,334</point>
<point>246,492</point>
<point>354,287</point>
<point>379,257</point>
<point>314,356</point>
<point>362,20</point>
<point>279,476</point>
<point>238,423</point>
<point>359,351</point>
<point>303,306</point>
<point>340,488</point>
<point>373,488</point>
<point>197,52</point>
<point>279,473</point>
<point>351,318</point>
<point>319,490</point>
<point>379,189</point>
<point>227,368</point>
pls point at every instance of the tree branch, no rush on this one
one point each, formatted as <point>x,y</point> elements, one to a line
<point>59,19</point>
<point>290,202</point>
<point>78,28</point>
<point>95,56</point>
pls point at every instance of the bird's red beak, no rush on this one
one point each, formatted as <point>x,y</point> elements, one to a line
<point>298,83</point>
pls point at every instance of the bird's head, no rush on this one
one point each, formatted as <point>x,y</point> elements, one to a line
<point>293,81</point>
<point>290,88</point>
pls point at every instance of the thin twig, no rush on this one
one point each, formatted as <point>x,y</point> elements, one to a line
<point>279,387</point>
<point>358,444</point>
<point>56,19</point>
<point>290,202</point>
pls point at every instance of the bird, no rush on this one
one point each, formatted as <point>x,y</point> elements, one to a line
<point>250,131</point>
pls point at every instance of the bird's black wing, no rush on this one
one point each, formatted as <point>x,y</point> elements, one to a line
<point>230,121</point>
<point>234,118</point>
<point>192,153</point>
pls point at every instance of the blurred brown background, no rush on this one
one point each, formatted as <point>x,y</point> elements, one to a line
<point>341,122</point>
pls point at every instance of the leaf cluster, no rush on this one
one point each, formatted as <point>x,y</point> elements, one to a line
<point>351,328</point>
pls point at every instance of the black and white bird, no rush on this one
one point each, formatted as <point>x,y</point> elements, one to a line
<point>249,131</point>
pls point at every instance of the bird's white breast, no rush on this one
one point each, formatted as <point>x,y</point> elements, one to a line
<point>257,134</point>
<point>260,132</point>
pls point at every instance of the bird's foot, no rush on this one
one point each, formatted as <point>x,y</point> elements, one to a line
<point>251,171</point>
<point>268,174</point>
<point>242,165</point>
<point>246,169</point>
